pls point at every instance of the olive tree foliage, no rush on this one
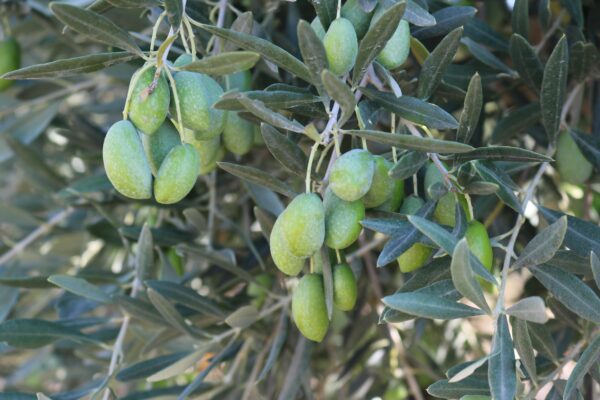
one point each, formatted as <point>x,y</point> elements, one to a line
<point>490,130</point>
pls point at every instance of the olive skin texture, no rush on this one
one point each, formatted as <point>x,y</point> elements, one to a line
<point>341,46</point>
<point>352,174</point>
<point>238,134</point>
<point>197,94</point>
<point>396,50</point>
<point>182,60</point>
<point>445,210</point>
<point>177,174</point>
<point>148,111</point>
<point>125,162</point>
<point>393,204</point>
<point>210,151</point>
<point>158,145</point>
<point>10,60</point>
<point>479,243</point>
<point>240,81</point>
<point>417,254</point>
<point>318,28</point>
<point>360,19</point>
<point>283,258</point>
<point>303,224</point>
<point>309,309</point>
<point>342,220</point>
<point>345,288</point>
<point>572,165</point>
<point>382,185</point>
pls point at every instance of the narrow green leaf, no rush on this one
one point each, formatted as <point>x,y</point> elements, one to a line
<point>326,11</point>
<point>480,31</point>
<point>463,277</point>
<point>417,15</point>
<point>542,340</point>
<point>581,237</point>
<point>268,50</point>
<point>258,177</point>
<point>186,297</point>
<point>263,112</point>
<point>144,369</point>
<point>520,18</point>
<point>583,59</point>
<point>589,356</point>
<point>179,366</point>
<point>502,153</point>
<point>413,109</point>
<point>588,146</point>
<point>489,173</point>
<point>243,317</point>
<point>471,386</point>
<point>313,53</point>
<point>322,258</point>
<point>423,144</point>
<point>524,347</point>
<point>595,264</point>
<point>501,366</point>
<point>375,40</point>
<point>139,309</point>
<point>543,246</point>
<point>516,122</point>
<point>570,291</point>
<point>447,19</point>
<point>467,371</point>
<point>341,93</point>
<point>80,287</point>
<point>428,306</point>
<point>280,334</point>
<point>95,26</point>
<point>277,99</point>
<point>529,309</point>
<point>244,24</point>
<point>526,61</point>
<point>435,64</point>
<point>284,150</point>
<point>471,110</point>
<point>575,9</point>
<point>486,57</point>
<point>170,313</point>
<point>408,164</point>
<point>554,87</point>
<point>224,63</point>
<point>28,282</point>
<point>144,257</point>
<point>34,333</point>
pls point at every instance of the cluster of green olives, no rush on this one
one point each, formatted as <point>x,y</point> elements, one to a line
<point>10,59</point>
<point>342,36</point>
<point>147,154</point>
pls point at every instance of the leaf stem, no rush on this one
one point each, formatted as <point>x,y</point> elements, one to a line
<point>311,158</point>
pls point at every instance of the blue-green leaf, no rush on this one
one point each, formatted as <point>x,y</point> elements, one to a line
<point>501,365</point>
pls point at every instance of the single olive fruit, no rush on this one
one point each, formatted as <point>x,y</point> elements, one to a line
<point>238,134</point>
<point>158,145</point>
<point>210,151</point>
<point>318,28</point>
<point>148,110</point>
<point>351,174</point>
<point>393,203</point>
<point>257,290</point>
<point>382,185</point>
<point>303,224</point>
<point>10,59</point>
<point>197,93</point>
<point>342,220</point>
<point>479,243</point>
<point>309,309</point>
<point>344,287</point>
<point>360,19</point>
<point>395,52</point>
<point>283,258</point>
<point>240,81</point>
<point>572,165</point>
<point>341,46</point>
<point>417,254</point>
<point>445,211</point>
<point>125,162</point>
<point>177,174</point>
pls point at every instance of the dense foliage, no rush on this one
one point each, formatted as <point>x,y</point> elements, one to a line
<point>300,199</point>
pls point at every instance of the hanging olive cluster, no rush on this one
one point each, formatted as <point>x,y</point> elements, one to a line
<point>147,154</point>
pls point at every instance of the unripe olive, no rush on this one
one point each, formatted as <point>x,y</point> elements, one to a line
<point>392,204</point>
<point>396,50</point>
<point>417,254</point>
<point>571,163</point>
<point>352,174</point>
<point>10,59</point>
<point>344,287</point>
<point>182,60</point>
<point>303,224</point>
<point>382,185</point>
<point>342,220</point>
<point>341,46</point>
<point>148,110</point>
<point>318,28</point>
<point>479,243</point>
<point>445,210</point>
<point>360,19</point>
<point>125,162</point>
<point>283,258</point>
<point>177,174</point>
<point>158,145</point>
<point>241,81</point>
<point>309,309</point>
<point>197,94</point>
<point>210,151</point>
<point>238,134</point>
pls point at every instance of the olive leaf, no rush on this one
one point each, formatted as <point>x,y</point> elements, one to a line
<point>581,237</point>
<point>587,359</point>
<point>409,163</point>
<point>471,110</point>
<point>490,173</point>
<point>524,346</point>
<point>516,122</point>
<point>520,18</point>
<point>284,150</point>
<point>423,144</point>
<point>588,146</point>
<point>224,63</point>
<point>258,177</point>
<point>526,61</point>
<point>341,93</point>
<point>417,15</point>
<point>554,87</point>
<point>174,9</point>
<point>34,333</point>
<point>429,306</point>
<point>244,24</point>
<point>80,287</point>
<point>486,57</point>
<point>313,54</point>
<point>447,19</point>
<point>501,365</point>
<point>480,31</point>
<point>277,99</point>
<point>463,277</point>
<point>595,264</point>
<point>502,153</point>
<point>543,246</point>
<point>529,309</point>
<point>474,386</point>
<point>263,112</point>
<point>326,11</point>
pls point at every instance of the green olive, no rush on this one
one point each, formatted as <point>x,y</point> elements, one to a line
<point>417,254</point>
<point>392,204</point>
<point>382,185</point>
<point>283,258</point>
<point>445,210</point>
<point>10,59</point>
<point>352,174</point>
<point>309,309</point>
<point>318,28</point>
<point>148,110</point>
<point>177,174</point>
<point>345,288</point>
<point>158,145</point>
<point>240,81</point>
<point>125,162</point>
<point>210,151</point>
<point>182,60</point>
<point>360,19</point>
<point>341,46</point>
<point>303,224</point>
<point>396,50</point>
<point>479,243</point>
<point>572,165</point>
<point>197,94</point>
<point>238,134</point>
<point>342,220</point>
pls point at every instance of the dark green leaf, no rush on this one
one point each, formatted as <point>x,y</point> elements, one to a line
<point>554,87</point>
<point>258,177</point>
<point>28,282</point>
<point>428,306</point>
<point>581,237</point>
<point>570,291</point>
<point>174,11</point>
<point>543,246</point>
<point>243,317</point>
<point>284,150</point>
<point>277,99</point>
<point>413,109</point>
<point>80,287</point>
<point>501,365</point>
<point>95,26</point>
<point>595,264</point>
<point>417,15</point>
<point>144,257</point>
<point>263,112</point>
<point>223,63</point>
<point>575,9</point>
<point>464,370</point>
<point>33,333</point>
<point>471,110</point>
<point>516,122</point>
<point>423,144</point>
<point>435,64</point>
<point>588,146</point>
<point>140,309</point>
<point>326,11</point>
<point>479,30</point>
<point>520,18</point>
<point>375,39</point>
<point>589,356</point>
<point>505,185</point>
<point>526,61</point>
<point>313,53</point>
<point>280,334</point>
<point>408,164</point>
<point>523,345</point>
<point>463,277</point>
<point>502,153</point>
<point>470,386</point>
<point>447,19</point>
<point>244,24</point>
<point>486,57</point>
<point>186,297</point>
<point>144,369</point>
<point>529,309</point>
<point>583,59</point>
<point>170,313</point>
<point>341,93</point>
<point>542,340</point>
